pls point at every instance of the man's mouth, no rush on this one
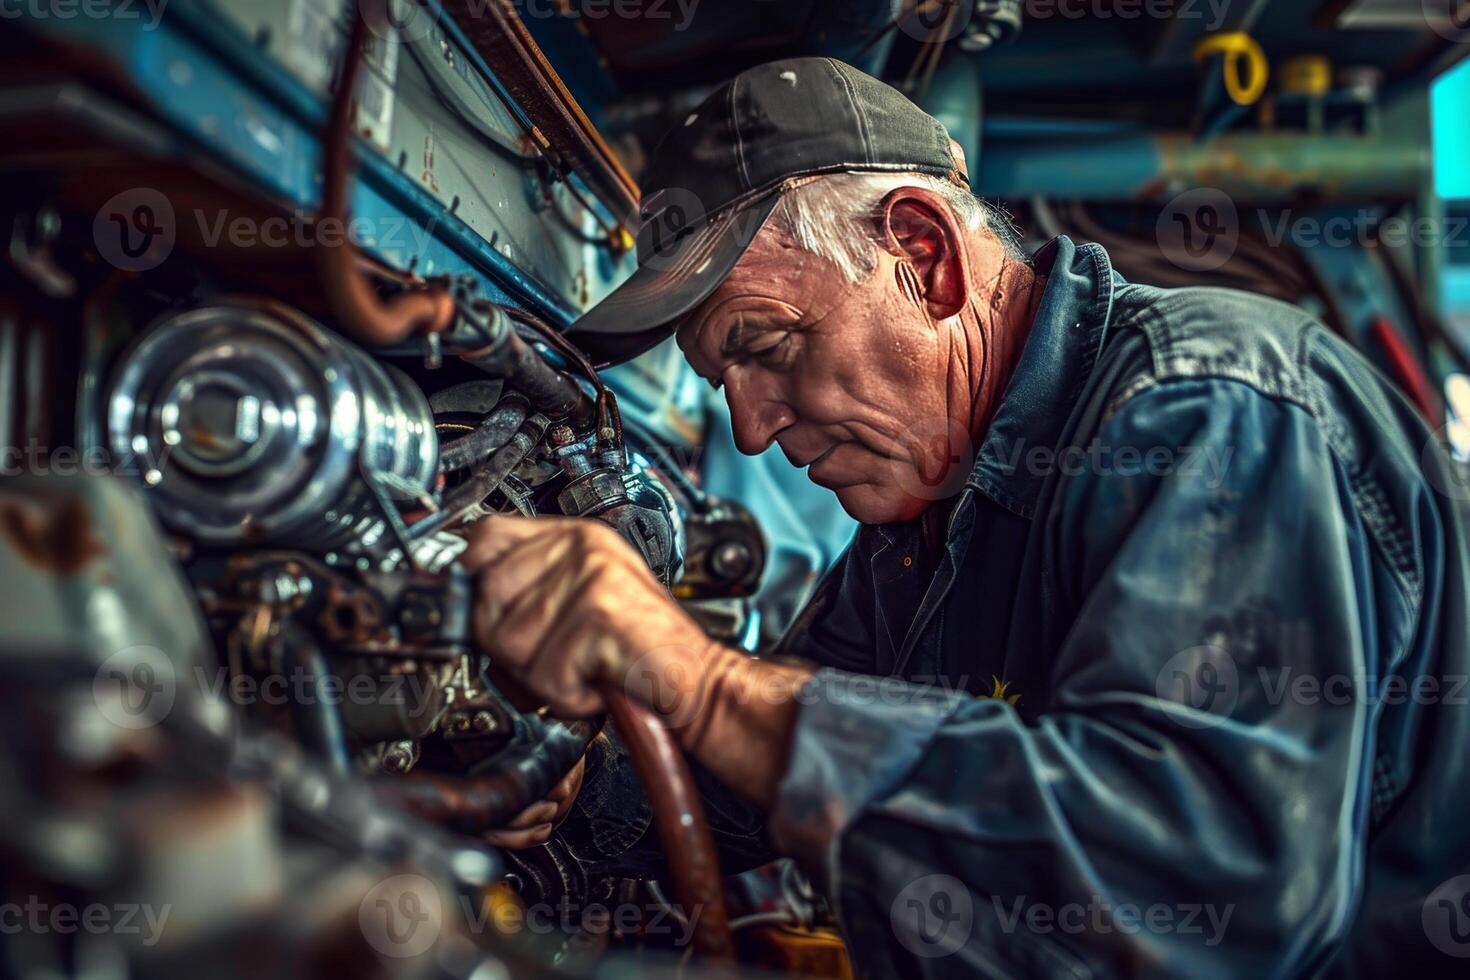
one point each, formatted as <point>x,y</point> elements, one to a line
<point>817,459</point>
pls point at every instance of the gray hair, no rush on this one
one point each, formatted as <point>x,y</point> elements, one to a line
<point>832,217</point>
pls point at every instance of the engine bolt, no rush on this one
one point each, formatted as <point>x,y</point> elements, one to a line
<point>484,722</point>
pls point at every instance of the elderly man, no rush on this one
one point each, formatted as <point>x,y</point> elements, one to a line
<point>1154,578</point>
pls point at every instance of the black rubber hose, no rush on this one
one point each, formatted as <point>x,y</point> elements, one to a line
<point>316,718</point>
<point>463,498</point>
<point>502,353</point>
<point>498,429</point>
<point>475,803</point>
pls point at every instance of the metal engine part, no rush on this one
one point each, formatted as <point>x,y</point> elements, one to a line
<point>265,425</point>
<point>602,485</point>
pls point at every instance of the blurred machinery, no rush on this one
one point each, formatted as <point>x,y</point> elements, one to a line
<point>281,316</point>
<point>315,405</point>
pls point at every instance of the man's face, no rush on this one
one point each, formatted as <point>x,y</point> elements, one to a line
<point>851,381</point>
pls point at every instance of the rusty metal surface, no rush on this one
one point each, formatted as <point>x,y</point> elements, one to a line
<point>475,803</point>
<point>562,128</point>
<point>348,289</point>
<point>57,540</point>
<point>88,570</point>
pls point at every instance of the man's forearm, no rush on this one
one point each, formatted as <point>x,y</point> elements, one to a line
<point>745,712</point>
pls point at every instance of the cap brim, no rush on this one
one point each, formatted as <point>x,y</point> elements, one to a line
<point>640,313</point>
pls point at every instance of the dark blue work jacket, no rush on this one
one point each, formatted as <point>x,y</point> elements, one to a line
<point>1182,689</point>
<point>1176,686</point>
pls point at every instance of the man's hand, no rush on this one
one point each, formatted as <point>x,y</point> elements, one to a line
<point>534,824</point>
<point>565,604</point>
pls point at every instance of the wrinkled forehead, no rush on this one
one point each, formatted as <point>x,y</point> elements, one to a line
<point>774,268</point>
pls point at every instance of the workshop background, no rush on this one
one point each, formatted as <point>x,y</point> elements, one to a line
<point>169,171</point>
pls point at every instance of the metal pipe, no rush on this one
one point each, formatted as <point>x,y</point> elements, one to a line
<point>465,497</point>
<point>682,829</point>
<point>473,804</point>
<point>316,719</point>
<point>350,293</point>
<point>955,97</point>
<point>493,433</point>
<point>504,354</point>
<point>1259,168</point>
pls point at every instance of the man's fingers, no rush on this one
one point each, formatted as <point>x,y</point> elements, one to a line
<point>518,840</point>
<point>532,816</point>
<point>532,576</point>
<point>568,787</point>
<point>497,534</point>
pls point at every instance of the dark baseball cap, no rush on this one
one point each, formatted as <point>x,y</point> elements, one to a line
<point>713,181</point>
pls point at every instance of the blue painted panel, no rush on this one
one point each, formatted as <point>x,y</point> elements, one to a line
<point>238,106</point>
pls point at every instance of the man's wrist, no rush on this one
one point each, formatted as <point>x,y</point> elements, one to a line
<point>747,711</point>
<point>732,712</point>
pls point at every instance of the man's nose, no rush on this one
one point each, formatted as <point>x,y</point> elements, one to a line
<point>757,414</point>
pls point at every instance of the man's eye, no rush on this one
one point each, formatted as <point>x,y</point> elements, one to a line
<point>774,355</point>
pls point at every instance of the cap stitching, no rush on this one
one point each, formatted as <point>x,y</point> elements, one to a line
<point>735,130</point>
<point>857,110</point>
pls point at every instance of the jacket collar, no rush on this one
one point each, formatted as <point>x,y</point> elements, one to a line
<point>1066,339</point>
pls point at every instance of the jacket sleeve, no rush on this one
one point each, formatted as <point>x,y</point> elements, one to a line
<point>611,828</point>
<point>1190,799</point>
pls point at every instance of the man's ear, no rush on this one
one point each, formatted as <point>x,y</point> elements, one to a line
<point>918,227</point>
